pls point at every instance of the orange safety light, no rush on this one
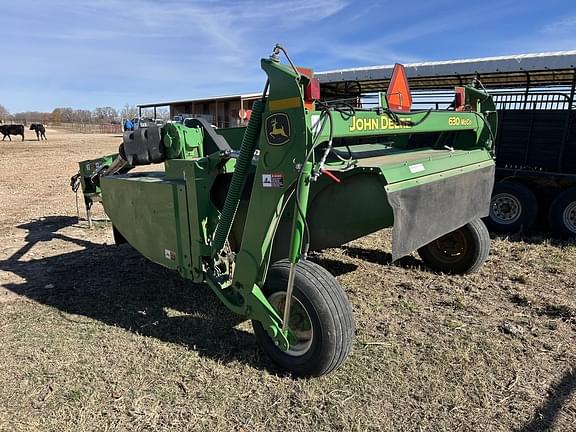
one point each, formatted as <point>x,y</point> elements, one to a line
<point>459,98</point>
<point>312,90</point>
<point>398,94</point>
<point>305,71</point>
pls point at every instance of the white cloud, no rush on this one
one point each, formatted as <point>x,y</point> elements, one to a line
<point>135,50</point>
<point>142,50</point>
<point>565,25</point>
<point>224,24</point>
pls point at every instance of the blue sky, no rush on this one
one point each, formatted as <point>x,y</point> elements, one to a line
<point>85,54</point>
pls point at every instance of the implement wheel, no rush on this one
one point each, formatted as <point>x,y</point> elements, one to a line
<point>459,252</point>
<point>562,214</point>
<point>513,208</point>
<point>320,318</point>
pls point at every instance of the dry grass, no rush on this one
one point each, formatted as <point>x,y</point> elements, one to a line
<point>94,337</point>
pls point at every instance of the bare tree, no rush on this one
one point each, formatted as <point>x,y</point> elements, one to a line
<point>27,117</point>
<point>163,113</point>
<point>83,116</point>
<point>129,112</point>
<point>55,116</point>
<point>105,114</point>
<point>4,113</point>
<point>62,115</point>
<point>149,112</point>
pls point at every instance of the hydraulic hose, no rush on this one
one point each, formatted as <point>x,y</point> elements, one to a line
<point>239,177</point>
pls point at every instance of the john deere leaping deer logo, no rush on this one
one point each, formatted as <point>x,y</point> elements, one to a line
<point>278,129</point>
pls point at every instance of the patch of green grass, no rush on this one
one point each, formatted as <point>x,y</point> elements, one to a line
<point>408,305</point>
<point>74,395</point>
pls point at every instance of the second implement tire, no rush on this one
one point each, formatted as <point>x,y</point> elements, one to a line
<point>513,208</point>
<point>321,318</point>
<point>562,214</point>
<point>460,252</point>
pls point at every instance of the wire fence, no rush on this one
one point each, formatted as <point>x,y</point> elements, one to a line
<point>88,127</point>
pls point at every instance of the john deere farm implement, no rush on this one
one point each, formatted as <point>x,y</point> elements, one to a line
<point>240,209</point>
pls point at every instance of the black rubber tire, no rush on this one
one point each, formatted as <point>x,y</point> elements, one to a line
<point>524,217</point>
<point>476,240</point>
<point>330,315</point>
<point>561,214</point>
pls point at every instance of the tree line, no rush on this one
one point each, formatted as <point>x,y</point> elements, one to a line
<point>99,115</point>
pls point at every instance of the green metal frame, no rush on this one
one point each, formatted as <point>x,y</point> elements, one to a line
<point>173,219</point>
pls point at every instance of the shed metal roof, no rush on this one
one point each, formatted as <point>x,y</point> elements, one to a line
<point>199,100</point>
<point>541,69</point>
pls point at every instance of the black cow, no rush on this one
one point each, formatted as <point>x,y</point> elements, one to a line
<point>8,130</point>
<point>40,131</point>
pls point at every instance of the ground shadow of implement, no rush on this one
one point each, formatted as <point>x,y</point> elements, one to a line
<point>545,416</point>
<point>335,267</point>
<point>119,287</point>
<point>377,256</point>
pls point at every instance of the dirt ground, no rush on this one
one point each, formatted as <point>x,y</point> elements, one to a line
<point>95,337</point>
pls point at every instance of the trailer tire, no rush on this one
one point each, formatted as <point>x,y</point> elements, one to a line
<point>323,310</point>
<point>513,208</point>
<point>460,252</point>
<point>562,214</point>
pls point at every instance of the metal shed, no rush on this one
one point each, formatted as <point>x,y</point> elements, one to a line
<point>221,111</point>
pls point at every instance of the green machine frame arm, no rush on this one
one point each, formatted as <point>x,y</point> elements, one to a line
<point>282,170</point>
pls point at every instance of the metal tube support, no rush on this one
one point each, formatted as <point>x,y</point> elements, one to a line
<point>77,206</point>
<point>89,216</point>
<point>288,301</point>
<point>300,208</point>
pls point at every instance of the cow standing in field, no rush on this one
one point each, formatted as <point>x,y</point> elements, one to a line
<point>8,130</point>
<point>40,131</point>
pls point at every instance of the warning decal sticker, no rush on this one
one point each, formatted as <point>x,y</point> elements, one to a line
<point>273,180</point>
